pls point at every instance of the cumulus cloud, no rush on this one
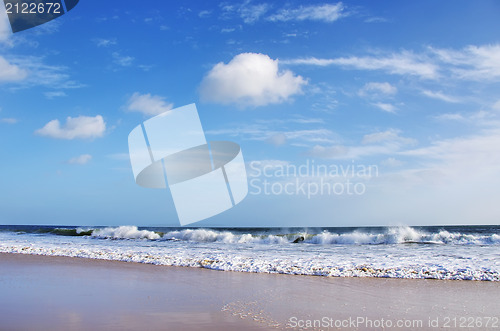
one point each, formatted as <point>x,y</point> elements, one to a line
<point>81,127</point>
<point>250,79</point>
<point>325,13</point>
<point>10,72</point>
<point>148,104</point>
<point>82,159</point>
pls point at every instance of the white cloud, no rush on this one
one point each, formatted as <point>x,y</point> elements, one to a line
<point>122,60</point>
<point>148,104</point>
<point>326,13</point>
<point>249,13</point>
<point>81,127</point>
<point>440,96</point>
<point>481,118</point>
<point>10,72</point>
<point>100,42</point>
<point>473,62</point>
<point>264,133</point>
<point>82,159</point>
<point>250,79</point>
<point>404,63</point>
<point>391,135</point>
<point>376,89</point>
<point>387,107</point>
<point>378,143</point>
<point>204,13</point>
<point>35,72</point>
<point>309,61</point>
<point>450,117</point>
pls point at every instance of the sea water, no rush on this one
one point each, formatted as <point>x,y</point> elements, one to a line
<point>439,252</point>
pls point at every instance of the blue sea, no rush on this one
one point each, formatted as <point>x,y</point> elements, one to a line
<point>436,252</point>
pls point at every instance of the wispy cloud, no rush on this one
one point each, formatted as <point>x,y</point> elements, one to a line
<point>81,127</point>
<point>403,63</point>
<point>469,63</point>
<point>204,13</point>
<point>251,12</point>
<point>8,120</point>
<point>148,104</point>
<point>80,160</point>
<point>100,42</point>
<point>440,96</point>
<point>247,11</point>
<point>122,60</point>
<point>472,62</point>
<point>391,135</point>
<point>325,13</point>
<point>387,107</point>
<point>377,89</point>
<point>33,71</point>
<point>388,142</point>
<point>297,131</point>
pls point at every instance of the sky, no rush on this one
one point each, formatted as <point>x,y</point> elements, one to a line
<point>354,113</point>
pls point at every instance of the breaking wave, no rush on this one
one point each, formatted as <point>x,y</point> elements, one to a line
<point>387,236</point>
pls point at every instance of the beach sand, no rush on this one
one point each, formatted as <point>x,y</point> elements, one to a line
<point>62,293</point>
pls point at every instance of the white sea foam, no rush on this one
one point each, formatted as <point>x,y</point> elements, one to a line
<point>125,232</point>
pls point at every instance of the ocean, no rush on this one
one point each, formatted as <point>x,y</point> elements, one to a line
<point>435,252</point>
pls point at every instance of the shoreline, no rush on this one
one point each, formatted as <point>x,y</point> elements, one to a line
<point>80,294</point>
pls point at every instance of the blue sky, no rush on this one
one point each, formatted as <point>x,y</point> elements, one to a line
<point>410,88</point>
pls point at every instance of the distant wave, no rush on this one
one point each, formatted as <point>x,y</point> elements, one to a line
<point>390,235</point>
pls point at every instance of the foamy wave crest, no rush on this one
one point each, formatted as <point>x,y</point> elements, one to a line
<point>387,236</point>
<point>402,235</point>
<point>205,235</point>
<point>125,232</point>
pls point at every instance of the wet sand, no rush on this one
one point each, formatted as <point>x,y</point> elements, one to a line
<point>62,293</point>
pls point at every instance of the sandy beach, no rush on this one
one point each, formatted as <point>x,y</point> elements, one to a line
<point>61,293</point>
